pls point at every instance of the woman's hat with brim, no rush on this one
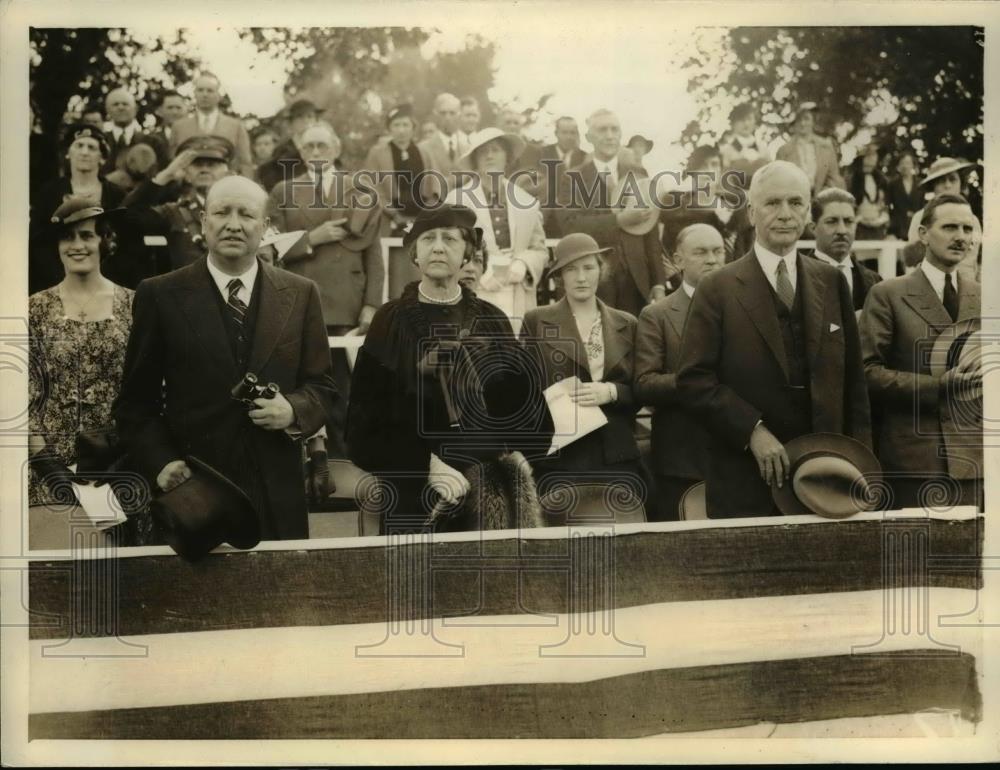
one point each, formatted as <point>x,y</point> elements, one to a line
<point>830,475</point>
<point>446,215</point>
<point>515,144</point>
<point>205,511</point>
<point>573,247</point>
<point>77,209</point>
<point>640,138</point>
<point>942,167</point>
<point>76,131</point>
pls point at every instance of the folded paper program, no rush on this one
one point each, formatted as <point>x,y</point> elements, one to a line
<point>570,420</point>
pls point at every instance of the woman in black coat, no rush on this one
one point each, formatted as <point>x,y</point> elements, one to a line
<point>440,384</point>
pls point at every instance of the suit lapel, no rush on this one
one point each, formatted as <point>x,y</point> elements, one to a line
<point>195,297</point>
<point>616,345</point>
<point>756,301</point>
<point>921,297</point>
<point>677,310</point>
<point>969,301</point>
<point>275,306</point>
<point>813,288</point>
<point>561,330</point>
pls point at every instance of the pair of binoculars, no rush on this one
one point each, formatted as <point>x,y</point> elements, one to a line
<point>249,388</point>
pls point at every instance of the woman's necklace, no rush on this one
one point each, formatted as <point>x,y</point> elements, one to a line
<point>82,311</point>
<point>448,301</point>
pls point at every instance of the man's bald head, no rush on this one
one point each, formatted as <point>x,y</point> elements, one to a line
<point>699,251</point>
<point>233,223</point>
<point>120,106</point>
<point>447,108</point>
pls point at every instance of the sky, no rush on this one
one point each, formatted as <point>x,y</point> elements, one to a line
<point>641,82</point>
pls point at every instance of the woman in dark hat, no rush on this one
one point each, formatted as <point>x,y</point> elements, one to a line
<point>440,384</point>
<point>85,150</point>
<point>580,336</point>
<point>78,329</point>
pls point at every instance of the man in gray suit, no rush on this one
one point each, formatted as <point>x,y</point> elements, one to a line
<point>446,146</point>
<point>208,120</point>
<point>926,438</point>
<point>680,444</point>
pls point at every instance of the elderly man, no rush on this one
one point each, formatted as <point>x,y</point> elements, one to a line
<point>340,251</point>
<point>446,146</point>
<point>208,120</point>
<point>930,445</point>
<point>123,130</point>
<point>286,160</point>
<point>771,352</point>
<point>834,223</point>
<point>170,223</point>
<point>587,204</point>
<point>195,333</point>
<point>679,443</point>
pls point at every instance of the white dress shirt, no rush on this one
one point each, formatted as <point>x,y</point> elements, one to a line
<point>936,278</point>
<point>128,131</point>
<point>609,166</point>
<point>222,281</point>
<point>207,120</point>
<point>769,264</point>
<point>688,289</point>
<point>452,141</point>
<point>329,172</point>
<point>844,267</point>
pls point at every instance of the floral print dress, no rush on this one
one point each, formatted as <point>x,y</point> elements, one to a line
<point>74,374</point>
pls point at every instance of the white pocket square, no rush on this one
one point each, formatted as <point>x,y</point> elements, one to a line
<point>834,327</point>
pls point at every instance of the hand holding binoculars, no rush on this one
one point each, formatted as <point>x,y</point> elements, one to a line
<point>248,389</point>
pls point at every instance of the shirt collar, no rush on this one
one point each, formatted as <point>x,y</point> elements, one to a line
<point>611,166</point>
<point>769,259</point>
<point>830,260</point>
<point>249,277</point>
<point>688,289</point>
<point>936,277</point>
<point>130,130</point>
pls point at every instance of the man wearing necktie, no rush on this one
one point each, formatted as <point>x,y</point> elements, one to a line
<point>834,223</point>
<point>446,145</point>
<point>930,436</point>
<point>196,332</point>
<point>770,352</point>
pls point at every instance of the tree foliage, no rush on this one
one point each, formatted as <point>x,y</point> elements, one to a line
<point>915,88</point>
<point>76,66</point>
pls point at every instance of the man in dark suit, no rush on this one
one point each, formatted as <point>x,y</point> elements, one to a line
<point>172,108</point>
<point>195,333</point>
<point>635,274</point>
<point>123,131</point>
<point>926,437</point>
<point>771,352</point>
<point>551,161</point>
<point>833,213</point>
<point>679,443</point>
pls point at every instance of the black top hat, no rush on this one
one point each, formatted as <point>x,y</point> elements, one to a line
<point>829,475</point>
<point>446,215</point>
<point>75,131</point>
<point>209,147</point>
<point>206,510</point>
<point>400,111</point>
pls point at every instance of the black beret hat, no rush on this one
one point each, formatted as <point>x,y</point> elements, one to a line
<point>402,111</point>
<point>447,215</point>
<point>76,131</point>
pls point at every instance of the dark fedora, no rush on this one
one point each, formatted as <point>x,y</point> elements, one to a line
<point>830,475</point>
<point>954,346</point>
<point>573,247</point>
<point>446,215</point>
<point>76,209</point>
<point>209,148</point>
<point>206,510</point>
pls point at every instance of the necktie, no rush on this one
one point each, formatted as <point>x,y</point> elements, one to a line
<point>237,307</point>
<point>786,292</point>
<point>950,297</point>
<point>451,148</point>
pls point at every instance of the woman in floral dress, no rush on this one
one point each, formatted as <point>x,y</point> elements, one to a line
<point>78,331</point>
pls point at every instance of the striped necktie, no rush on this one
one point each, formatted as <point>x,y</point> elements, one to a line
<point>237,307</point>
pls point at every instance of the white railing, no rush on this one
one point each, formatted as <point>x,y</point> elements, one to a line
<point>888,253</point>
